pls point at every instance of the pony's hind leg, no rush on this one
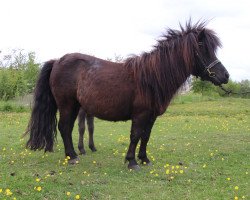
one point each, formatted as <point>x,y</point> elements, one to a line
<point>68,114</point>
<point>90,122</point>
<point>81,129</point>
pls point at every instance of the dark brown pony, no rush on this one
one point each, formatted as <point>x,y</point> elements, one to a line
<point>82,117</point>
<point>139,89</point>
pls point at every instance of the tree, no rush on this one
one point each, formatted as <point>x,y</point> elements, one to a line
<point>18,74</point>
<point>202,87</point>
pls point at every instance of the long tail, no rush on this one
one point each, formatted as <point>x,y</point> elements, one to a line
<point>43,122</point>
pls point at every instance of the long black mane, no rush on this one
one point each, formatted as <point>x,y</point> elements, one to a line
<point>162,71</point>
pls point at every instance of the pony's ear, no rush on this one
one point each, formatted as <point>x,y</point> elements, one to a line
<point>201,35</point>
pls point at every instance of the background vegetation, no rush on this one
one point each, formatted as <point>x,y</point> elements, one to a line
<point>18,74</point>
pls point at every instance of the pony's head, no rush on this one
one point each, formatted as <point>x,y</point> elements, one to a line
<point>207,66</point>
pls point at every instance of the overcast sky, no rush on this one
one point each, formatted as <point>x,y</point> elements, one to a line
<point>103,28</point>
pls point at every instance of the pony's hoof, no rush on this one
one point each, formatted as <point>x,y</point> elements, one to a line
<point>82,152</point>
<point>134,167</point>
<point>73,161</point>
<point>93,149</point>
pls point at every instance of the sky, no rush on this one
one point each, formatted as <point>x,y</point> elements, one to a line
<point>105,28</point>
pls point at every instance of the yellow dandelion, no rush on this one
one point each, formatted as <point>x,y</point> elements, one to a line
<point>181,171</point>
<point>167,165</point>
<point>1,190</point>
<point>211,154</point>
<point>167,171</point>
<point>204,166</point>
<point>246,173</point>
<point>8,192</point>
<point>77,196</point>
<point>68,193</point>
<point>39,188</point>
<point>236,187</point>
<point>38,179</point>
<point>229,179</point>
<point>243,197</point>
<point>68,158</point>
<point>177,166</point>
<point>236,198</point>
<point>94,162</point>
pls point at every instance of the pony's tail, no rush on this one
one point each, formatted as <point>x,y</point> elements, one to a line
<point>43,122</point>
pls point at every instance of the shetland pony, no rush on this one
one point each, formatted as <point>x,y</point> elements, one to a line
<point>139,89</point>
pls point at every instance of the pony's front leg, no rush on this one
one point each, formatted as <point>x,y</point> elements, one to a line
<point>138,129</point>
<point>81,130</point>
<point>144,141</point>
<point>90,122</point>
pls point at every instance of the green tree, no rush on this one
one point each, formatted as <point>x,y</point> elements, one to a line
<point>18,74</point>
<point>202,87</point>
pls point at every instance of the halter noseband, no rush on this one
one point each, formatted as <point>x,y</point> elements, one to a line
<point>212,64</point>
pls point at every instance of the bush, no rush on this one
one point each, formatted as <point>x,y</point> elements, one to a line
<point>18,74</point>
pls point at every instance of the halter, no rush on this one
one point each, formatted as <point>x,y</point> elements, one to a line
<point>207,68</point>
<point>212,64</point>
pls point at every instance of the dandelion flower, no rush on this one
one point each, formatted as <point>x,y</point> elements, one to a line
<point>94,162</point>
<point>236,198</point>
<point>68,193</point>
<point>236,187</point>
<point>8,192</point>
<point>77,196</point>
<point>181,171</point>
<point>39,188</point>
<point>167,171</point>
<point>1,190</point>
<point>68,158</point>
<point>229,179</point>
<point>204,166</point>
<point>38,179</point>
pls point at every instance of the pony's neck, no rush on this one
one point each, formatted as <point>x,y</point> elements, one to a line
<point>158,75</point>
<point>173,73</point>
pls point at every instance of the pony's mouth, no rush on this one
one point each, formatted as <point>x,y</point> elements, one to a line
<point>218,81</point>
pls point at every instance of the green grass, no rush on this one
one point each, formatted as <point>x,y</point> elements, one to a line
<point>210,138</point>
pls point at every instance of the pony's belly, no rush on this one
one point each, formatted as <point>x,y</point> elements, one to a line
<point>107,108</point>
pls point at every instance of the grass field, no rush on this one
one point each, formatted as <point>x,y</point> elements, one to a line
<point>200,149</point>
